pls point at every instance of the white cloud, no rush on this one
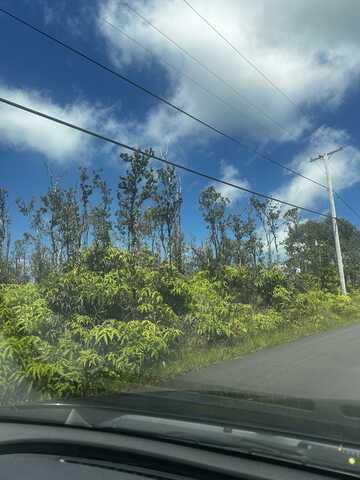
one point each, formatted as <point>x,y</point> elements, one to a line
<point>231,174</point>
<point>309,49</point>
<point>61,144</point>
<point>315,64</point>
<point>162,124</point>
<point>26,131</point>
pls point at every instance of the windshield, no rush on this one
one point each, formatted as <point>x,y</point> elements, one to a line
<point>179,212</point>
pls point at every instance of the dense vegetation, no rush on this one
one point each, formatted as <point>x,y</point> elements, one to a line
<point>94,298</point>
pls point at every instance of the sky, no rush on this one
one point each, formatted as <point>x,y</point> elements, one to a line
<point>310,51</point>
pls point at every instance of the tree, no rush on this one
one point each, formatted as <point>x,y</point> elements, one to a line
<point>292,220</point>
<point>167,211</point>
<point>213,207</point>
<point>39,262</point>
<point>55,229</point>
<point>134,189</point>
<point>62,222</point>
<point>246,247</point>
<point>236,225</point>
<point>202,257</point>
<point>86,190</point>
<point>254,246</point>
<point>4,235</point>
<point>350,241</point>
<point>150,229</point>
<point>20,261</point>
<point>268,214</point>
<point>273,216</point>
<point>70,225</point>
<point>101,213</point>
<point>310,249</point>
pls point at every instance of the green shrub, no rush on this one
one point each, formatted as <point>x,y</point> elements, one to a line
<point>174,288</point>
<point>238,282</point>
<point>213,316</point>
<point>266,321</point>
<point>87,293</point>
<point>281,298</point>
<point>83,361</point>
<point>23,311</point>
<point>79,356</point>
<point>107,259</point>
<point>317,305</point>
<point>122,290</point>
<point>342,305</point>
<point>267,280</point>
<point>107,320</point>
<point>309,306</point>
<point>302,282</point>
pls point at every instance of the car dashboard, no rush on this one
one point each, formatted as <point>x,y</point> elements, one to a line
<point>34,451</point>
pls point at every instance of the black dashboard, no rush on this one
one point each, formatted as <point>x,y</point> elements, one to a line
<point>39,452</point>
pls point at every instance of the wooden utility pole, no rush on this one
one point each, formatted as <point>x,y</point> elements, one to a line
<point>325,158</point>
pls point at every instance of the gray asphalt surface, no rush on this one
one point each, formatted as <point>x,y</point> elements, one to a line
<point>321,366</point>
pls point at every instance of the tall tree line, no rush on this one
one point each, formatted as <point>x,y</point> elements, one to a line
<point>144,214</point>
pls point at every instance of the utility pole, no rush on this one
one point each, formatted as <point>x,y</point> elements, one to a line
<point>325,157</point>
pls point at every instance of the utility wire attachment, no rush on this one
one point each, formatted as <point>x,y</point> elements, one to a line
<point>155,157</point>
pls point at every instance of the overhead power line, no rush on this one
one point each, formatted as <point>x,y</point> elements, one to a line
<point>122,77</point>
<point>156,96</point>
<point>341,198</point>
<point>246,59</point>
<point>198,84</point>
<point>347,204</point>
<point>185,52</point>
<point>171,105</point>
<point>265,77</point>
<point>206,68</point>
<point>181,73</point>
<point>155,157</point>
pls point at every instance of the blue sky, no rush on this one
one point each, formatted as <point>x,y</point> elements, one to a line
<point>317,65</point>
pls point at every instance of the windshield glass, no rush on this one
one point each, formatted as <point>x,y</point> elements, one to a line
<point>179,222</point>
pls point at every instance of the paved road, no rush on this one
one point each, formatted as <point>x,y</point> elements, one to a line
<point>322,366</point>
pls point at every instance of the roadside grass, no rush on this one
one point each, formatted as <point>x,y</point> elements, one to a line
<point>192,357</point>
